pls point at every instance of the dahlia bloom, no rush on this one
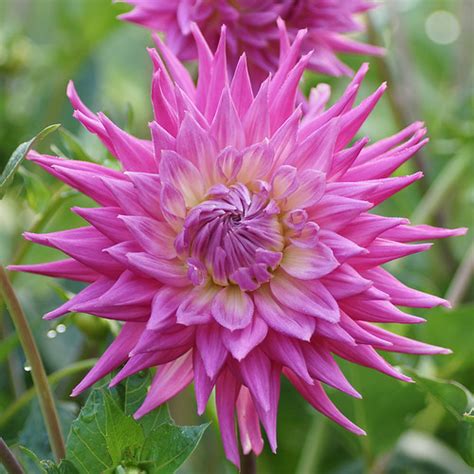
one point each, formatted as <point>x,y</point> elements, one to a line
<point>253,28</point>
<point>237,245</point>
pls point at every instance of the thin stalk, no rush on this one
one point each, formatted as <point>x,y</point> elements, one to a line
<point>53,379</point>
<point>248,463</point>
<point>38,372</point>
<point>8,459</point>
<point>441,188</point>
<point>462,278</point>
<point>314,445</point>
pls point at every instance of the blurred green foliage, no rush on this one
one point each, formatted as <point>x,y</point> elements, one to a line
<point>411,428</point>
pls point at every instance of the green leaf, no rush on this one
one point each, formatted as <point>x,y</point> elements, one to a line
<point>454,397</point>
<point>168,446</point>
<point>65,467</point>
<point>19,155</point>
<point>37,192</point>
<point>467,437</point>
<point>459,402</point>
<point>31,461</point>
<point>33,435</point>
<point>106,438</point>
<point>73,146</point>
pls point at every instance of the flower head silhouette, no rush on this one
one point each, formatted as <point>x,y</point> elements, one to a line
<point>253,28</point>
<point>239,244</point>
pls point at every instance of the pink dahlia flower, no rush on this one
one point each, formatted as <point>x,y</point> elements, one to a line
<point>237,245</point>
<point>253,28</point>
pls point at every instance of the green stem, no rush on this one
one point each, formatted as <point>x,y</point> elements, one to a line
<point>53,379</point>
<point>38,372</point>
<point>462,278</point>
<point>8,459</point>
<point>441,188</point>
<point>314,445</point>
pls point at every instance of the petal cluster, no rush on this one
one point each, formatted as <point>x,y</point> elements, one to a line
<point>253,28</point>
<point>239,244</point>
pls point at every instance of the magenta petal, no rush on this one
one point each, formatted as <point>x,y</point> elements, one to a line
<point>256,373</point>
<point>232,308</point>
<point>282,318</point>
<point>156,238</point>
<point>212,350</point>
<point>241,341</point>
<point>94,290</point>
<point>165,303</point>
<point>315,395</point>
<point>249,427</point>
<point>203,385</point>
<point>309,298</point>
<point>402,344</point>
<point>287,352</point>
<point>311,186</point>
<point>309,263</point>
<point>116,354</point>
<point>322,366</point>
<point>182,175</point>
<point>68,268</point>
<point>368,357</point>
<point>226,395</point>
<point>401,294</point>
<point>196,307</point>
<point>169,380</point>
<point>172,272</point>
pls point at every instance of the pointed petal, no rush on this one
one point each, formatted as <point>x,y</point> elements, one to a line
<point>212,350</point>
<point>226,395</point>
<point>316,396</point>
<point>116,354</point>
<point>169,380</point>
<point>69,269</point>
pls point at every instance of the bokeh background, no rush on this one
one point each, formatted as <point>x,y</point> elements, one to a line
<point>429,68</point>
